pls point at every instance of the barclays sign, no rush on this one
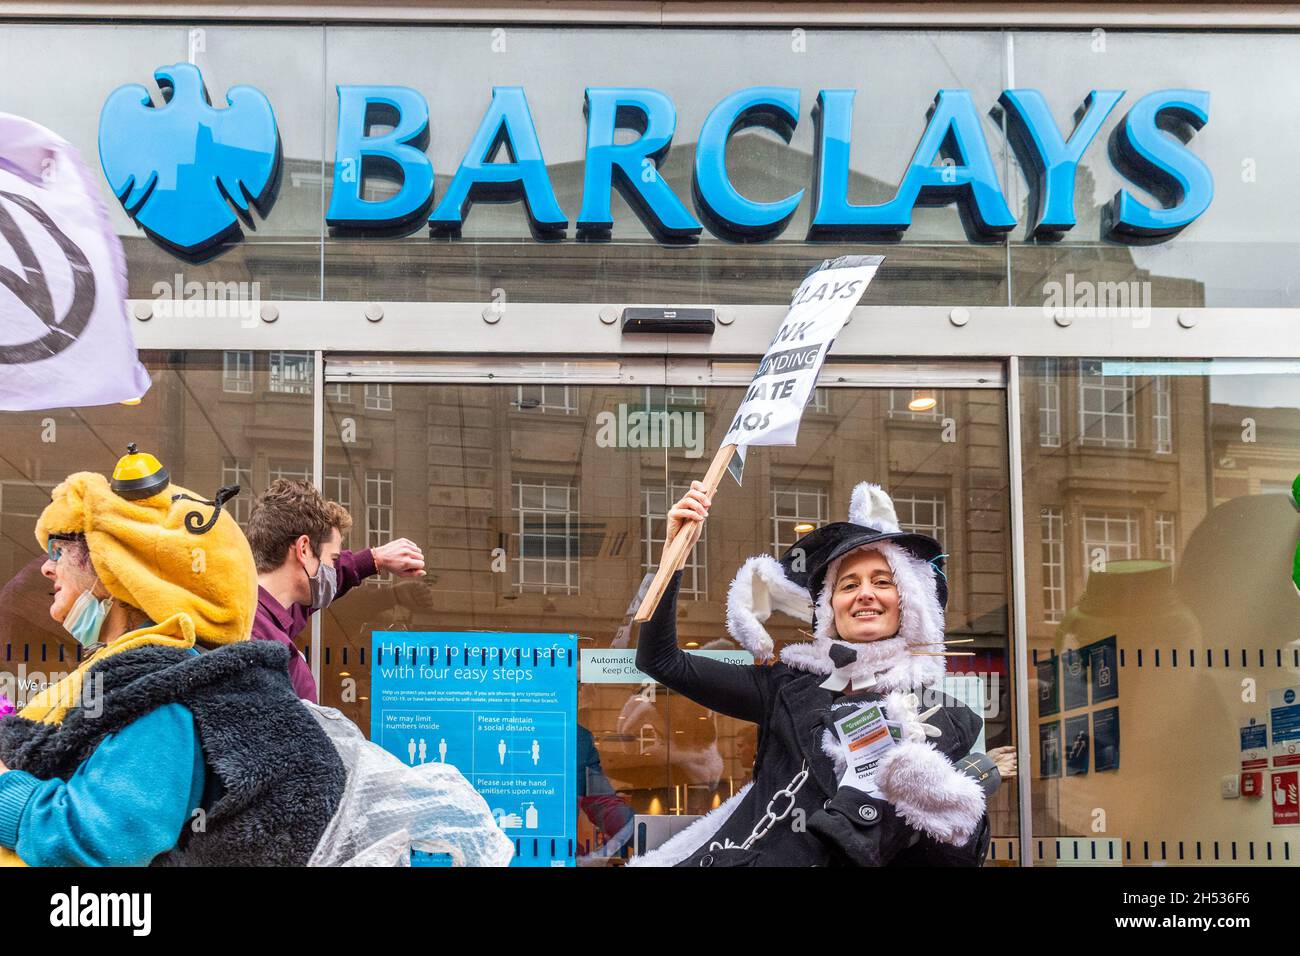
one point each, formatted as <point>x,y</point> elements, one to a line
<point>178,169</point>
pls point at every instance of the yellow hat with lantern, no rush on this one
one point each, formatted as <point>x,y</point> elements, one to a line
<point>139,475</point>
<point>160,548</point>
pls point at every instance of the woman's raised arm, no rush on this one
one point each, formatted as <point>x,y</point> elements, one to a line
<point>735,690</point>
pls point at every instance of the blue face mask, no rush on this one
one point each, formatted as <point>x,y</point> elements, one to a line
<point>86,618</point>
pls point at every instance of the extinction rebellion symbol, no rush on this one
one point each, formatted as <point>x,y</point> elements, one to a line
<point>34,292</point>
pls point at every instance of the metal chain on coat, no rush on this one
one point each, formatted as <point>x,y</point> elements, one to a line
<point>770,818</point>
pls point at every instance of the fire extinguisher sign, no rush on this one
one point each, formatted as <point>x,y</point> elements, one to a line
<point>1285,794</point>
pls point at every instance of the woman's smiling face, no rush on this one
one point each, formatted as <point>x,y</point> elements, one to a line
<point>865,599</point>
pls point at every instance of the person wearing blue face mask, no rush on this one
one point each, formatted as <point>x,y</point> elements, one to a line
<point>81,603</point>
<point>170,708</point>
<point>297,541</point>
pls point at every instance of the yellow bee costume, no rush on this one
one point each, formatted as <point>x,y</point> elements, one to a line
<point>183,562</point>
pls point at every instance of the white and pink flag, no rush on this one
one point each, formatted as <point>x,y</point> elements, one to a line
<point>65,337</point>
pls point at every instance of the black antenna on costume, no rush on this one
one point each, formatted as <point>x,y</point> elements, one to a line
<point>194,522</point>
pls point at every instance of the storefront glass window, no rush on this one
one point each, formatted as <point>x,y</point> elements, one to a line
<point>539,512</point>
<point>1239,252</point>
<point>206,435</point>
<point>1236,254</point>
<point>68,72</point>
<point>1162,613</point>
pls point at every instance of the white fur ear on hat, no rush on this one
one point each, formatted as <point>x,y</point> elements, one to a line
<point>870,506</point>
<point>759,588</point>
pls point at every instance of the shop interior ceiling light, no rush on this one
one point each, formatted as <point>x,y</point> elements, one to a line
<point>923,400</point>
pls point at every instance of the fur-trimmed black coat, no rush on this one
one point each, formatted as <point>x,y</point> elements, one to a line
<point>827,825</point>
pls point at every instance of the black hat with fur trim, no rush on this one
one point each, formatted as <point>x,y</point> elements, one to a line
<point>796,583</point>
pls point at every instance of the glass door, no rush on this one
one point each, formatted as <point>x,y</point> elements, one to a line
<point>540,505</point>
<point>1162,626</point>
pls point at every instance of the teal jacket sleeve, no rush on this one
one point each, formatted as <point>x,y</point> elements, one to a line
<point>126,804</point>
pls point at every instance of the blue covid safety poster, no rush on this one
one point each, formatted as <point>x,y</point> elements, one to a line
<point>500,708</point>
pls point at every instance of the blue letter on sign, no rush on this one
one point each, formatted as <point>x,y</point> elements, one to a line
<point>651,114</point>
<point>508,123</point>
<point>1170,172</point>
<point>1052,160</point>
<point>728,214</point>
<point>953,129</point>
<point>358,155</point>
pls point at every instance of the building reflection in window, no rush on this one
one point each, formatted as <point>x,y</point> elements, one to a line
<point>538,514</point>
<point>1166,534</point>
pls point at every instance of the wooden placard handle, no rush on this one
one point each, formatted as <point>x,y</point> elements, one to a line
<point>679,549</point>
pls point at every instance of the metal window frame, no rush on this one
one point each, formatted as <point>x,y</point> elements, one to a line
<point>800,490</point>
<point>688,13</point>
<point>1052,518</point>
<point>1166,520</point>
<point>924,496</point>
<point>1127,413</point>
<point>470,329</point>
<point>572,517</point>
<point>1132,519</point>
<point>1019,614</point>
<point>1162,397</point>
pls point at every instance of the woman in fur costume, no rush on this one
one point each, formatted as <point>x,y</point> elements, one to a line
<point>875,596</point>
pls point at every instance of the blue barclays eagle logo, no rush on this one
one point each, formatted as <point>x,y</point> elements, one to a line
<point>180,168</point>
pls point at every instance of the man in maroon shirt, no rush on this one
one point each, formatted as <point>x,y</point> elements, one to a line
<point>297,540</point>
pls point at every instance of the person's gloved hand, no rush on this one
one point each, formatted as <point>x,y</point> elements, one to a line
<point>904,709</point>
<point>929,793</point>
